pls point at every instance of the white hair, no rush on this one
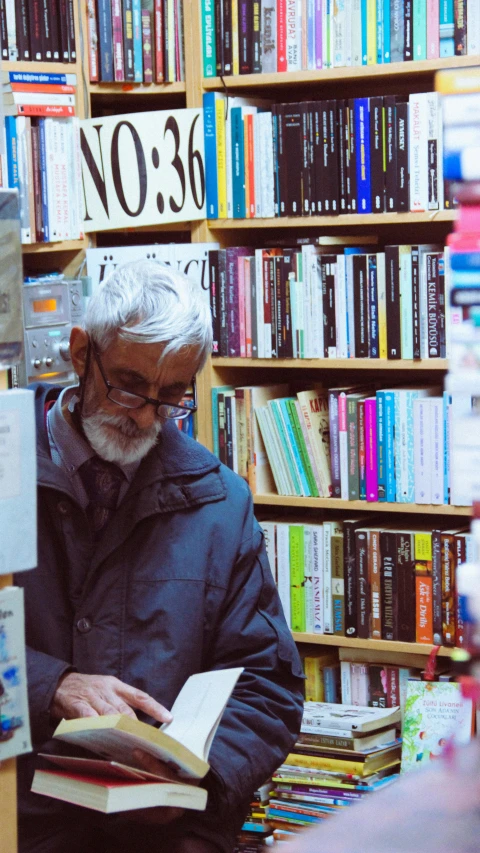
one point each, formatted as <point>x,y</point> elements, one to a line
<point>149,302</point>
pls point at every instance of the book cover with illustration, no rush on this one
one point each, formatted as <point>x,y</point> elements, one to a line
<point>436,714</point>
<point>14,720</point>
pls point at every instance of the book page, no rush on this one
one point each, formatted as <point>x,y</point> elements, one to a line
<point>198,708</point>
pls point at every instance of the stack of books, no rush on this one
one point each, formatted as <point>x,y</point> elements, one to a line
<point>256,830</point>
<point>42,147</point>
<point>343,754</point>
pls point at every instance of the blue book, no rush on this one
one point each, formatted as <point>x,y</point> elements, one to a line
<point>42,77</point>
<point>381,470</point>
<point>43,179</point>
<point>295,451</point>
<point>446,12</point>
<point>447,47</point>
<point>364,32</point>
<point>389,444</point>
<point>137,45</point>
<point>286,451</point>
<point>105,40</point>
<point>386,31</point>
<point>11,151</point>
<point>238,163</point>
<point>465,260</point>
<point>210,137</point>
<point>373,306</point>
<point>362,137</point>
<point>380,31</point>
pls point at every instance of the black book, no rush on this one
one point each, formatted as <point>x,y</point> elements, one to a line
<point>129,64</point>
<point>360,300</point>
<point>35,18</point>
<point>376,155</point>
<point>327,266</point>
<point>392,293</point>
<point>223,302</point>
<point>377,686</point>
<point>72,48</point>
<point>342,135</point>
<point>352,156</point>
<point>441,305</point>
<point>310,111</point>
<point>245,35</point>
<point>460,27</point>
<point>229,435</point>
<point>406,587</point>
<point>46,31</point>
<point>373,332</point>
<point>55,26</point>
<point>416,301</point>
<point>256,38</point>
<point>433,308</point>
<point>390,153</point>
<point>408,30</point>
<point>227,39</point>
<point>218,18</point>
<point>64,40</point>
<point>284,316</point>
<point>294,158</point>
<point>401,140</point>
<point>331,164</point>
<point>350,573</point>
<point>437,624</point>
<point>21,23</point>
<point>214,299</point>
<point>305,191</point>
<point>3,32</point>
<point>319,196</point>
<point>282,184</point>
<point>388,578</point>
<point>363,590</point>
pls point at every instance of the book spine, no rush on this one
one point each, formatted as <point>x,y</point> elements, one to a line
<point>397,30</point>
<point>408,31</point>
<point>137,41</point>
<point>401,151</point>
<point>423,597</point>
<point>334,442</point>
<point>392,274</point>
<point>433,29</point>
<point>374,577</point>
<point>338,581</point>
<point>297,577</point>
<point>362,131</point>
<point>148,46</point>
<point>381,449</point>
<point>363,595</point>
<point>39,230</point>
<point>70,27</point>
<point>405,588</point>
<point>208,30</point>
<point>390,468</point>
<point>350,577</point>
<point>268,42</point>
<point>448,588</point>
<point>389,582</point>
<point>437,625</point>
<point>377,155</point>
<point>460,27</point>
<point>210,141</point>
<point>371,460</point>
<point>317,578</point>
<point>352,434</point>
<point>361,449</point>
<point>159,19</point>
<point>373,330</point>
<point>327,579</point>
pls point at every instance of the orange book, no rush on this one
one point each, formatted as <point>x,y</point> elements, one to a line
<point>424,609</point>
<point>42,88</point>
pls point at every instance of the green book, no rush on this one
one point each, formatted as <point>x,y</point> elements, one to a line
<point>297,576</point>
<point>208,39</point>
<point>291,404</point>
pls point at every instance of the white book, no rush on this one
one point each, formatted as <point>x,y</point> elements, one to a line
<point>39,98</point>
<point>462,109</point>
<point>267,190</point>
<point>437,449</point>
<point>338,24</point>
<point>423,250</point>
<point>404,450</point>
<point>345,683</point>
<point>418,151</point>
<point>327,577</point>
<point>13,674</point>
<point>22,129</point>
<point>63,170</point>
<point>406,309</point>
<point>268,528</point>
<point>283,568</point>
<point>18,481</point>
<point>51,153</point>
<point>259,296</point>
<point>12,32</point>
<point>421,451</point>
<point>434,152</point>
<point>341,308</point>
<point>473,28</point>
<point>356,17</point>
<point>294,35</point>
<point>350,305</point>
<point>317,576</point>
<point>348,36</point>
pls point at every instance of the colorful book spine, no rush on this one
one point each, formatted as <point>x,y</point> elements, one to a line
<point>297,576</point>
<point>210,141</point>
<point>209,47</point>
<point>362,132</point>
<point>420,29</point>
<point>137,41</point>
<point>371,459</point>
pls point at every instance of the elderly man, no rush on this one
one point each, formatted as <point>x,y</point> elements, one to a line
<point>151,568</point>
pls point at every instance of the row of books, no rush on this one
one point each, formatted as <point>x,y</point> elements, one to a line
<point>369,579</point>
<point>330,302</point>
<point>56,100</point>
<point>366,443</point>
<point>38,31</point>
<point>360,155</point>
<point>135,41</point>
<point>43,163</point>
<point>256,37</point>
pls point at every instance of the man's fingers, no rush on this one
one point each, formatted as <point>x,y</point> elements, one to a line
<point>146,703</point>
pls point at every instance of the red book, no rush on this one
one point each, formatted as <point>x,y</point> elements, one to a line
<point>158,13</point>
<point>42,110</point>
<point>117,28</point>
<point>282,35</point>
<point>424,614</point>
<point>44,88</point>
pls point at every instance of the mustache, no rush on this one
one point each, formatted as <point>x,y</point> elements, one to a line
<point>126,426</point>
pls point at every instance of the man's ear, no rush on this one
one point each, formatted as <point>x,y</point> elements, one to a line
<point>78,349</point>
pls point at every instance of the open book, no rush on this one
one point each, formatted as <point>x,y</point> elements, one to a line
<point>183,744</point>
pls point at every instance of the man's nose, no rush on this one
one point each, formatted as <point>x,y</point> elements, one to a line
<point>144,417</point>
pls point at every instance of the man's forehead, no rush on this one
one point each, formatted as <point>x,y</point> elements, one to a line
<point>146,361</point>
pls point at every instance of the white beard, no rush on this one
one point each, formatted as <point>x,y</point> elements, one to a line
<point>118,439</point>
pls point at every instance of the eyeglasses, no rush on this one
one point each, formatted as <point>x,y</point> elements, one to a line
<point>137,401</point>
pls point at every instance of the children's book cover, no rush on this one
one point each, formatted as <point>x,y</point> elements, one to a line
<point>14,721</point>
<point>436,714</point>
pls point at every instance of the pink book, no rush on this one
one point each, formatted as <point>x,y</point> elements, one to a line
<point>281,35</point>
<point>241,305</point>
<point>117,29</point>
<point>371,463</point>
<point>433,29</point>
<point>468,218</point>
<point>248,307</point>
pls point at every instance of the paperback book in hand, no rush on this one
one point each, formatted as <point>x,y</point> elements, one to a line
<point>118,782</point>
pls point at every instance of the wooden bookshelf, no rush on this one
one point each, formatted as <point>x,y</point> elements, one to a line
<point>409,71</point>
<point>356,507</point>
<point>137,89</point>
<point>342,220</point>
<point>426,365</point>
<point>390,646</point>
<point>61,246</point>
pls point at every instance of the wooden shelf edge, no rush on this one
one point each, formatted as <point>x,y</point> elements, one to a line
<point>63,246</point>
<point>341,220</point>
<point>438,364</point>
<point>377,645</point>
<point>45,68</point>
<point>361,506</point>
<point>143,89</point>
<point>335,75</point>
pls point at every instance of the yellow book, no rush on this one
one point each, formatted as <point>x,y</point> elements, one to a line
<point>370,765</point>
<point>221,157</point>
<point>454,81</point>
<point>371,32</point>
<point>3,380</point>
<point>235,50</point>
<point>314,689</point>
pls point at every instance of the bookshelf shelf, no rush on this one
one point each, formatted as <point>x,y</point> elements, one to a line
<point>371,645</point>
<point>137,89</point>
<point>341,220</point>
<point>45,67</point>
<point>63,246</point>
<point>362,506</point>
<point>408,71</point>
<point>437,364</point>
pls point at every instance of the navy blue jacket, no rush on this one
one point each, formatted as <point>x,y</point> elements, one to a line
<point>179,584</point>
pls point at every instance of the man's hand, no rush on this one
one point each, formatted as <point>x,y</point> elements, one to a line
<point>79,695</point>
